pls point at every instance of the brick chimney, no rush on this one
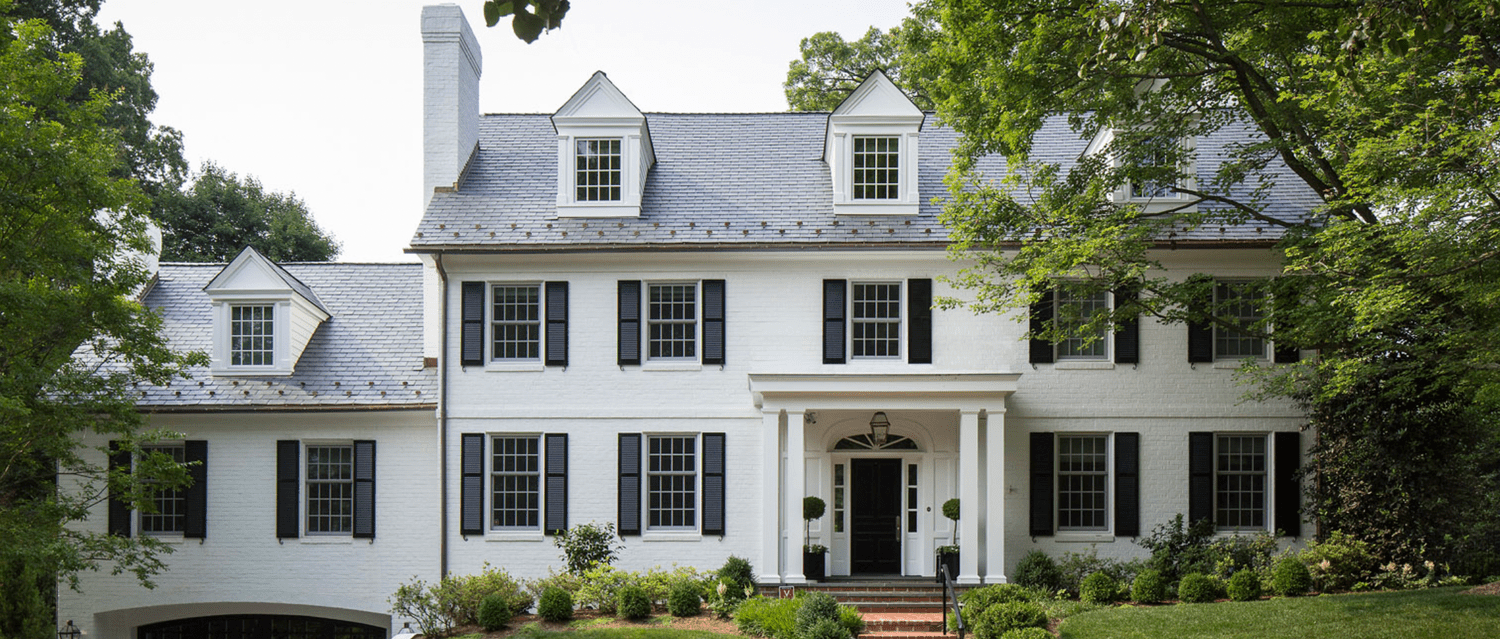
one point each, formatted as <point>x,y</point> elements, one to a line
<point>451,65</point>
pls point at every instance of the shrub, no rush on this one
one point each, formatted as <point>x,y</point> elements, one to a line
<point>555,604</point>
<point>1076,566</point>
<point>415,601</point>
<point>601,587</point>
<point>1149,587</point>
<point>1178,549</point>
<point>1005,617</point>
<point>978,600</point>
<point>685,599</point>
<point>825,629</point>
<point>815,607</point>
<point>632,603</point>
<point>1244,586</point>
<point>1027,633</point>
<point>761,617</point>
<point>735,583</point>
<point>566,581</point>
<point>851,620</point>
<point>1099,588</point>
<point>587,544</point>
<point>1339,562</point>
<point>494,612</point>
<point>1290,578</point>
<point>1197,588</point>
<point>737,572</point>
<point>1038,570</point>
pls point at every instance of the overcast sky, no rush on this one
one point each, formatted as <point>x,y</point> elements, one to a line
<point>322,97</point>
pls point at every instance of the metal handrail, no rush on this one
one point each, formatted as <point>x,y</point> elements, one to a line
<point>949,586</point>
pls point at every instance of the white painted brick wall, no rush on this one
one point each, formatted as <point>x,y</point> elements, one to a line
<point>451,65</point>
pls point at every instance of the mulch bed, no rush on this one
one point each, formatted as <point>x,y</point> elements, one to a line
<point>594,619</point>
<point>1487,589</point>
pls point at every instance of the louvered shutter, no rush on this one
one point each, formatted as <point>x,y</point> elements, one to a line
<point>1200,331</point>
<point>1288,451</point>
<point>713,322</point>
<point>1200,476</point>
<point>288,482</point>
<point>1127,329</point>
<point>834,306</point>
<point>557,323</point>
<point>119,509</point>
<point>471,336</point>
<point>919,292</point>
<point>471,488</point>
<point>1042,351</point>
<point>195,496</point>
<point>713,483</point>
<point>1127,484</point>
<point>630,322</point>
<point>630,484</point>
<point>556,518</point>
<point>364,489</point>
<point>1041,484</point>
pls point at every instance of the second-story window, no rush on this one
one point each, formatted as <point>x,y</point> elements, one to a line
<point>1073,312</point>
<point>672,321</point>
<point>876,319</point>
<point>597,174</point>
<point>876,163</point>
<point>252,338</point>
<point>516,326</point>
<point>1245,306</point>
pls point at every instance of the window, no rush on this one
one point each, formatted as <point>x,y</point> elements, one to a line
<point>672,321</point>
<point>598,170</point>
<point>911,498</point>
<point>1082,482</point>
<point>672,482</point>
<point>877,163</point>
<point>1245,306</point>
<point>1240,481</point>
<point>516,482</point>
<point>251,335</point>
<point>516,322</point>
<point>838,498</point>
<point>876,320</point>
<point>1154,154</point>
<point>330,489</point>
<point>1085,486</point>
<point>1073,312</point>
<point>169,504</point>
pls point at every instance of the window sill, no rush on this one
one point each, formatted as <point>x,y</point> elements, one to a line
<point>247,371</point>
<point>687,535</point>
<point>671,366</point>
<point>167,538</point>
<point>1083,365</point>
<point>862,207</point>
<point>1084,537</point>
<point>613,209</point>
<point>515,367</point>
<point>509,536</point>
<point>1233,364</point>
<point>328,540</point>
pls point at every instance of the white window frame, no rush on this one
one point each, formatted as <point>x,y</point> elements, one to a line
<point>1105,340</point>
<point>518,363</point>
<point>223,313</point>
<point>902,321</point>
<point>1220,331</point>
<point>274,334</point>
<point>841,160</point>
<point>541,484</point>
<point>308,483</point>
<point>178,451</point>
<point>892,188</point>
<point>647,322</point>
<point>696,474</point>
<point>1125,193</point>
<point>1109,484</point>
<point>1265,474</point>
<point>618,171</point>
<point>636,158</point>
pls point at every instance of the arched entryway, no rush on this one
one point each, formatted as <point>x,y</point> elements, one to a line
<point>259,627</point>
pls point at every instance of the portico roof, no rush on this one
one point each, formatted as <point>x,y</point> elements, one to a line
<point>795,391</point>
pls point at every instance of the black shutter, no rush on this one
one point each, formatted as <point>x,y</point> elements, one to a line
<point>556,518</point>
<point>288,480</point>
<point>471,488</point>
<point>1200,476</point>
<point>630,322</point>
<point>834,306</point>
<point>630,484</point>
<point>119,509</point>
<point>1200,330</point>
<point>195,496</point>
<point>1287,513</point>
<point>364,489</point>
<point>919,292</point>
<point>1041,484</point>
<point>713,483</point>
<point>1042,351</point>
<point>557,323</point>
<point>1127,484</point>
<point>1127,329</point>
<point>471,338</point>
<point>713,322</point>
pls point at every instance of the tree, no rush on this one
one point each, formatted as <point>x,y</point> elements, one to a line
<point>830,69</point>
<point>72,337</point>
<point>528,17</point>
<point>1383,110</point>
<point>217,216</point>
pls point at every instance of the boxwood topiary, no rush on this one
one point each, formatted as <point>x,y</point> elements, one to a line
<point>684,599</point>
<point>1244,586</point>
<point>494,612</point>
<point>555,604</point>
<point>1098,588</point>
<point>1149,587</point>
<point>631,602</point>
<point>1197,588</point>
<point>1038,570</point>
<point>1290,577</point>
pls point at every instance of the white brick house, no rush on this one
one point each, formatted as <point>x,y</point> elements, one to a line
<point>683,324</point>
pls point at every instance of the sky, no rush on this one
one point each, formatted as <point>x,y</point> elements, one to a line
<point>322,98</point>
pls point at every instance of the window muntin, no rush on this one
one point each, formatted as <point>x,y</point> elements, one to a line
<point>1073,311</point>
<point>876,320</point>
<point>252,333</point>
<point>672,482</point>
<point>330,489</point>
<point>170,507</point>
<point>911,498</point>
<point>597,171</point>
<point>1245,306</point>
<point>1082,482</point>
<point>1152,153</point>
<point>516,482</point>
<point>877,161</point>
<point>1240,481</point>
<point>838,498</point>
<point>516,322</point>
<point>672,321</point>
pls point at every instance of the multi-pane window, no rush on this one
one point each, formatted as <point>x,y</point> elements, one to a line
<point>911,498</point>
<point>1240,481</point>
<point>672,482</point>
<point>516,322</point>
<point>876,320</point>
<point>516,498</point>
<point>1073,312</point>
<point>1082,482</point>
<point>877,162</point>
<point>168,517</point>
<point>838,498</point>
<point>330,489</point>
<point>1153,153</point>
<point>672,321</point>
<point>1244,305</point>
<point>252,335</point>
<point>597,172</point>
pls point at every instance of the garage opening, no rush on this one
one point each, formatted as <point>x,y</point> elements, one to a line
<point>259,627</point>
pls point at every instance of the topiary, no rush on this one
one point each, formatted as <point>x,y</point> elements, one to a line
<point>1149,587</point>
<point>1004,617</point>
<point>685,599</point>
<point>1197,588</point>
<point>1038,570</point>
<point>494,612</point>
<point>1098,588</point>
<point>1244,586</point>
<point>631,602</point>
<point>824,629</point>
<point>1027,633</point>
<point>555,604</point>
<point>1290,577</point>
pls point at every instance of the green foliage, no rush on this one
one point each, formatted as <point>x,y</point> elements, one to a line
<point>1099,588</point>
<point>1077,566</point>
<point>814,607</point>
<point>977,600</point>
<point>812,507</point>
<point>1027,633</point>
<point>950,509</point>
<point>415,601</point>
<point>600,587</point>
<point>1339,562</point>
<point>1037,570</point>
<point>555,605</point>
<point>1244,586</point>
<point>685,599</point>
<point>529,17</point>
<point>1149,587</point>
<point>631,602</point>
<point>494,612</point>
<point>737,571</point>
<point>1290,578</point>
<point>825,629</point>
<point>763,617</point>
<point>218,215</point>
<point>460,596</point>
<point>566,581</point>
<point>831,68</point>
<point>587,544</point>
<point>735,583</point>
<point>851,620</point>
<point>1197,588</point>
<point>25,602</point>
<point>1001,618</point>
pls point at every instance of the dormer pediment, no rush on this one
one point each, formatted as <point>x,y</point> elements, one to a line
<point>603,152</point>
<point>871,150</point>
<point>878,99</point>
<point>263,317</point>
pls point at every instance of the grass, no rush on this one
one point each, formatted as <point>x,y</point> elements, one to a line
<point>1440,613</point>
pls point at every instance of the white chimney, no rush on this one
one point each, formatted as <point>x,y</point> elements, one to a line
<point>450,97</point>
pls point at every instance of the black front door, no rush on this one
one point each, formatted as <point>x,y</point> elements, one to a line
<point>875,532</point>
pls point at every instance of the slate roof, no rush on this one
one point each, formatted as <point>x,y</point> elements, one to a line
<point>738,180</point>
<point>368,355</point>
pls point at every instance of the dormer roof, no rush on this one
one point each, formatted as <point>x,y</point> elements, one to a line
<point>263,317</point>
<point>604,152</point>
<point>877,100</point>
<point>252,272</point>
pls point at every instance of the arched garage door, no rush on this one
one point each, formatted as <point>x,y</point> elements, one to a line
<point>259,627</point>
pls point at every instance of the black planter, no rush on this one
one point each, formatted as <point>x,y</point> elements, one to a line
<point>812,565</point>
<point>949,559</point>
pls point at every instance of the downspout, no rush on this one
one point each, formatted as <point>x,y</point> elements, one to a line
<point>442,414</point>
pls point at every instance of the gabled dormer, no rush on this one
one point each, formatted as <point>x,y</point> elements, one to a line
<point>871,150</point>
<point>263,317</point>
<point>1151,197</point>
<point>603,152</point>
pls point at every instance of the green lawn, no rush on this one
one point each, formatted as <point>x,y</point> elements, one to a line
<point>584,632</point>
<point>1440,613</point>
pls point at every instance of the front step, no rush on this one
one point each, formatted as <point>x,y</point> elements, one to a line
<point>895,609</point>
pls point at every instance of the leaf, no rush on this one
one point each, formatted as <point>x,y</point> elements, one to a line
<point>527,26</point>
<point>494,10</point>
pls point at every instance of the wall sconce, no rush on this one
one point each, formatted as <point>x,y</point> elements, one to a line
<point>880,428</point>
<point>69,631</point>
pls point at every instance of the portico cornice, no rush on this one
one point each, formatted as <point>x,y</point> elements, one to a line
<point>795,391</point>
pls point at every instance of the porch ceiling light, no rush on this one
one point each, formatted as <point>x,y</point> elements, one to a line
<point>880,428</point>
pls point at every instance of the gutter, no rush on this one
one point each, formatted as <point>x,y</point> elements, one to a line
<point>442,415</point>
<point>532,249</point>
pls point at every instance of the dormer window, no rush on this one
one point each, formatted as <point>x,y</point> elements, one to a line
<point>263,317</point>
<point>1150,154</point>
<point>252,335</point>
<point>871,150</point>
<point>603,153</point>
<point>877,167</point>
<point>598,173</point>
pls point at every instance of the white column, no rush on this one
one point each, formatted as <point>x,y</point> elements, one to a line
<point>791,497</point>
<point>994,531</point>
<point>970,506</point>
<point>770,504</point>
